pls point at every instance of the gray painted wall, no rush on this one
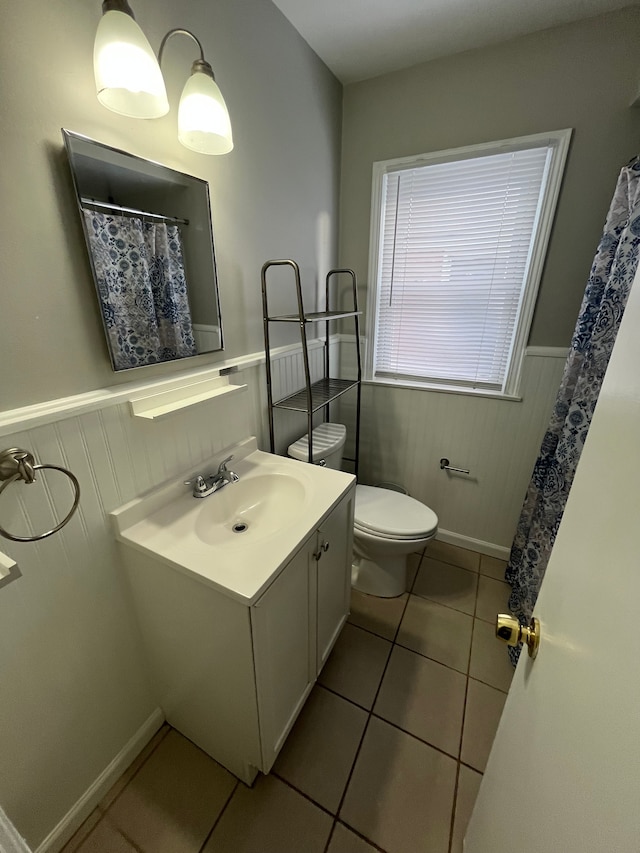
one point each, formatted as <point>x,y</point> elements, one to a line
<point>266,200</point>
<point>582,75</point>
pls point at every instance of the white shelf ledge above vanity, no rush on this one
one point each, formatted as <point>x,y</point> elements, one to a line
<point>161,404</point>
<point>9,570</point>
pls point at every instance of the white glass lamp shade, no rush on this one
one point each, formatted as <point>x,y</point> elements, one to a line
<point>128,77</point>
<point>203,119</point>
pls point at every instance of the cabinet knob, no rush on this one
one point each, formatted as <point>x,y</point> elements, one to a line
<point>325,546</point>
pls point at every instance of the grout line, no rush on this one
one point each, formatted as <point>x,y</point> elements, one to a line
<point>415,737</point>
<point>217,820</point>
<point>471,767</point>
<point>364,732</point>
<point>370,712</point>
<point>327,845</point>
<point>454,804</point>
<point>345,698</point>
<point>452,668</point>
<point>361,836</point>
<point>302,793</point>
<point>448,606</point>
<point>464,717</point>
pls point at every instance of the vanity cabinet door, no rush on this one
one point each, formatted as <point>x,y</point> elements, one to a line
<point>333,570</point>
<point>284,652</point>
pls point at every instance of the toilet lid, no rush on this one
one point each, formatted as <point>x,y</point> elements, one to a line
<point>392,513</point>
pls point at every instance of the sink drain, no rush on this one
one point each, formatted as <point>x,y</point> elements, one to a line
<point>240,527</point>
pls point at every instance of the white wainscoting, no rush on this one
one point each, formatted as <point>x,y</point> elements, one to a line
<point>405,433</point>
<point>73,676</point>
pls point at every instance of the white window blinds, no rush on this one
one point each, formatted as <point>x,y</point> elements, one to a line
<point>456,241</point>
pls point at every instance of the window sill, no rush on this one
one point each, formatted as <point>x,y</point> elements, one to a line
<point>464,392</point>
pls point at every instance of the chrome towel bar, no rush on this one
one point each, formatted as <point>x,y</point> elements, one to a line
<point>444,465</point>
<point>16,464</point>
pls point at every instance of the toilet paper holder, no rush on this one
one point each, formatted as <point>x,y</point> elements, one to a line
<point>445,466</point>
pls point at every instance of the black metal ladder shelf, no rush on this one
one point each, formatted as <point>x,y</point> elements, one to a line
<point>315,396</point>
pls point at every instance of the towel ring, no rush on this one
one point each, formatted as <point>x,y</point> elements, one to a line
<point>16,464</point>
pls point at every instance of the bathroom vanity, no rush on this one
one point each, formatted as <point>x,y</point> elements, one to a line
<point>240,597</point>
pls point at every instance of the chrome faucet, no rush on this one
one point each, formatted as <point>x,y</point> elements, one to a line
<point>210,483</point>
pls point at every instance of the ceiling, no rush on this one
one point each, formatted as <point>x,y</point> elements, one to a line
<point>358,39</point>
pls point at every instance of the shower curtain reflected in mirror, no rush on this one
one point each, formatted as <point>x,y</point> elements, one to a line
<point>139,270</point>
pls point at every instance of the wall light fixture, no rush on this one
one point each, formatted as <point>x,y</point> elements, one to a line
<point>129,81</point>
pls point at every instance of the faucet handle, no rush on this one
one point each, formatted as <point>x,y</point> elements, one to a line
<point>222,467</point>
<point>198,484</point>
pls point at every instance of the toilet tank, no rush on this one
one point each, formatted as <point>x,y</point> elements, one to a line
<point>328,444</point>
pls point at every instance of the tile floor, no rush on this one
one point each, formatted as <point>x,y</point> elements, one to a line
<point>387,754</point>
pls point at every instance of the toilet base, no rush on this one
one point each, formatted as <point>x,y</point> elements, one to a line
<point>386,577</point>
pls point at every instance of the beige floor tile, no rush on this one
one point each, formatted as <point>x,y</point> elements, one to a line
<point>489,659</point>
<point>173,801</point>
<point>468,786</point>
<point>82,832</point>
<point>380,615</point>
<point>482,715</point>
<point>401,793</point>
<point>437,632</point>
<point>492,567</point>
<point>318,754</point>
<point>270,818</point>
<point>114,792</point>
<point>345,841</point>
<point>447,584</point>
<point>424,698</point>
<point>355,666</point>
<point>453,554</point>
<point>493,598</point>
<point>105,839</point>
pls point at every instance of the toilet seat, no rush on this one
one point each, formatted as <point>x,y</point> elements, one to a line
<point>392,515</point>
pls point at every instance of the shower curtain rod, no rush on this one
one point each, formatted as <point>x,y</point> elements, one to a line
<point>121,209</point>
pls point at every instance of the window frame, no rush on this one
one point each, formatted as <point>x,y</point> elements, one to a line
<point>558,141</point>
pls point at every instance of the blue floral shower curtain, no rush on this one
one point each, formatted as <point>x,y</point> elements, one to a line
<point>142,289</point>
<point>605,297</point>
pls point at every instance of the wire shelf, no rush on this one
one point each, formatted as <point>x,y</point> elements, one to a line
<point>314,317</point>
<point>322,393</point>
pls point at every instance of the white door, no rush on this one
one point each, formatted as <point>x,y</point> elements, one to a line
<point>564,772</point>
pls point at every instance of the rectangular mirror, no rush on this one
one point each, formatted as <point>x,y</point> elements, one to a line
<point>150,242</point>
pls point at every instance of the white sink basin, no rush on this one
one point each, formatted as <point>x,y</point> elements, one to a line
<point>253,508</point>
<point>237,538</point>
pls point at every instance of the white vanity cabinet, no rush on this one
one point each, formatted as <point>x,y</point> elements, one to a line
<point>297,621</point>
<point>233,676</point>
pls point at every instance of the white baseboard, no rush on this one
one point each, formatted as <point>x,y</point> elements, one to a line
<point>81,810</point>
<point>478,545</point>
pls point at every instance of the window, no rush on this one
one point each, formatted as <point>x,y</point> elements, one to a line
<point>458,240</point>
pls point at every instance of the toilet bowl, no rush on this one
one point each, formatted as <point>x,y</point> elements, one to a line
<point>388,526</point>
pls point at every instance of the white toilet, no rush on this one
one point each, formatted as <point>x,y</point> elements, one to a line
<point>388,525</point>
<point>328,444</point>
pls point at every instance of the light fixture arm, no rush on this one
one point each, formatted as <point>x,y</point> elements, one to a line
<point>117,6</point>
<point>199,64</point>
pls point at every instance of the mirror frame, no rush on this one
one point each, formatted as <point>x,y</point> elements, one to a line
<point>69,136</point>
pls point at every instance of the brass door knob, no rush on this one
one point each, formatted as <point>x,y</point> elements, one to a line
<point>511,632</point>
